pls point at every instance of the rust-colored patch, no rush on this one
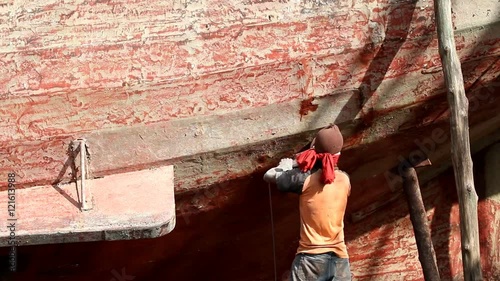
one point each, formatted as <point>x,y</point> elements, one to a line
<point>307,106</point>
<point>262,159</point>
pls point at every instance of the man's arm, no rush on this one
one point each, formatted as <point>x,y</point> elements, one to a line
<point>292,180</point>
<point>287,176</point>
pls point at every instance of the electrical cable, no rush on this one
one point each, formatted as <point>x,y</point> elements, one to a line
<point>272,230</point>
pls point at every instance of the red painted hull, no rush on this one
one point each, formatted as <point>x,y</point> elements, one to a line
<point>222,90</point>
<point>233,242</point>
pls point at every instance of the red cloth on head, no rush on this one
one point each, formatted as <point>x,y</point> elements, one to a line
<point>307,159</point>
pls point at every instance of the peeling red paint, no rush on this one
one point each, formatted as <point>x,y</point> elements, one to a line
<point>101,66</point>
<point>381,247</point>
<point>307,106</point>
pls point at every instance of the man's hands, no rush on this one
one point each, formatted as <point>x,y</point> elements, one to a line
<point>285,164</point>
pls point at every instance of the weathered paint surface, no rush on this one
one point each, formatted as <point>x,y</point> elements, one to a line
<point>222,89</point>
<point>385,249</point>
<point>138,80</point>
<point>52,214</point>
<point>233,241</point>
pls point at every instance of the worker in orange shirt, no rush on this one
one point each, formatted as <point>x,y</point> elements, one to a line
<point>323,191</point>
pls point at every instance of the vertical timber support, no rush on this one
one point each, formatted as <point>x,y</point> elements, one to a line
<point>460,146</point>
<point>418,218</point>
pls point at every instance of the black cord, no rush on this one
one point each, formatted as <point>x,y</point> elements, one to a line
<point>272,230</point>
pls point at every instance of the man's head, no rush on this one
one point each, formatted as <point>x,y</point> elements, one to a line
<point>328,140</point>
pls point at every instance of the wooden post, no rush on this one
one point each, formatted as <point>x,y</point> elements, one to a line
<point>460,146</point>
<point>418,218</point>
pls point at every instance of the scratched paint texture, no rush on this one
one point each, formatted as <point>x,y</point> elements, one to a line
<point>381,247</point>
<point>222,89</point>
<point>387,251</point>
<point>101,69</point>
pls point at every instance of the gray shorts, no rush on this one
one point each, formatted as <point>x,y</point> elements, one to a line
<point>320,267</point>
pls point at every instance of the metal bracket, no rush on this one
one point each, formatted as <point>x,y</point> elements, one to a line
<point>86,195</point>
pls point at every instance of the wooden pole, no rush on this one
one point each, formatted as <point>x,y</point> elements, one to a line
<point>418,218</point>
<point>460,146</point>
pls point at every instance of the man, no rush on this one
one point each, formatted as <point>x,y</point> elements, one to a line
<point>323,190</point>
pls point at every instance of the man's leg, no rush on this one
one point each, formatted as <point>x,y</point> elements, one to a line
<point>307,267</point>
<point>340,269</point>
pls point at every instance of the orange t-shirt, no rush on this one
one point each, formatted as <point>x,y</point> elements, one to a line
<point>322,208</point>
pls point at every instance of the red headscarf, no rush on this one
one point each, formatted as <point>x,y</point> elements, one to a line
<point>326,146</point>
<point>307,159</point>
